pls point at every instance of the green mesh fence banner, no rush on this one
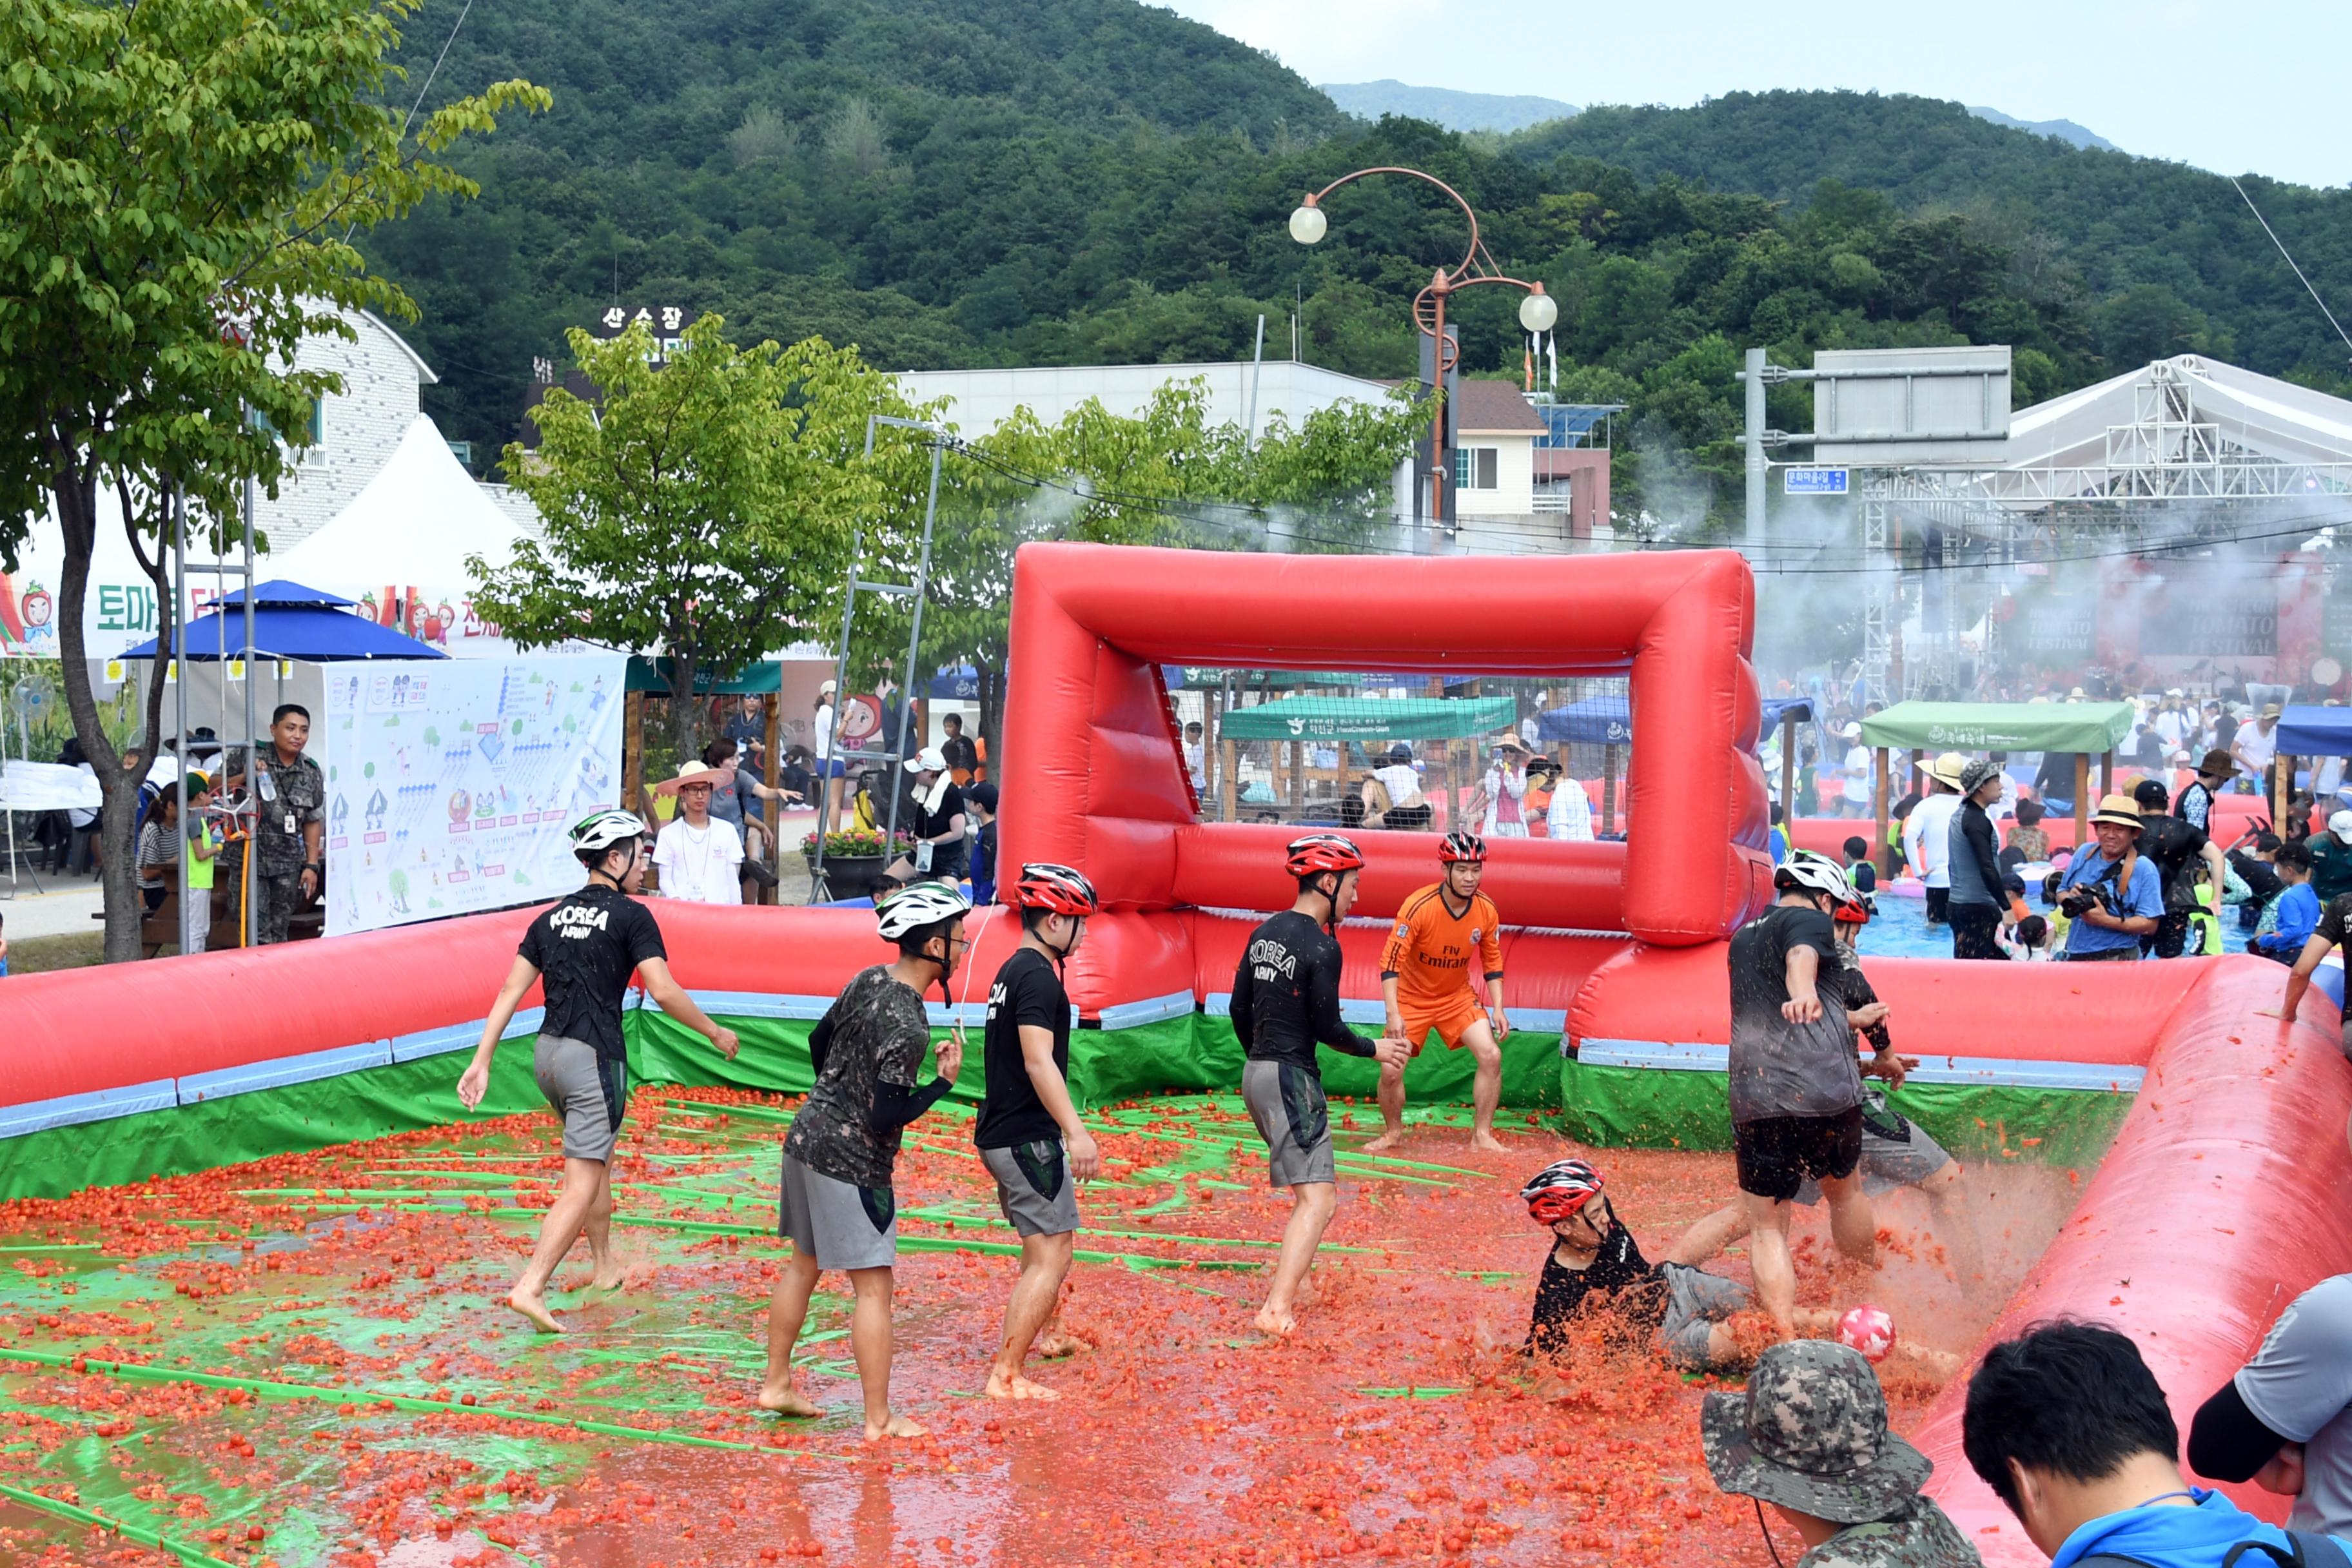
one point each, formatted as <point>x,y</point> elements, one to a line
<point>1616,1107</point>
<point>227,1131</point>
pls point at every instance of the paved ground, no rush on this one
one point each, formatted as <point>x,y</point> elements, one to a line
<point>63,909</point>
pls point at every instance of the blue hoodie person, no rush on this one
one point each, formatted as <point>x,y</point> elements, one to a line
<point>2068,1427</point>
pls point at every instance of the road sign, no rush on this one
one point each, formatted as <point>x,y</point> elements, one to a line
<point>1815,482</point>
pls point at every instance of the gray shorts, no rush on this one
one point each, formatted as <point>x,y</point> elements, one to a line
<point>1286,1102</point>
<point>840,1225</point>
<point>1695,1301</point>
<point>589,1091</point>
<point>1896,1153</point>
<point>1034,1187</point>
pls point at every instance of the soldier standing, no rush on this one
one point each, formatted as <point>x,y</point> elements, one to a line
<point>289,797</point>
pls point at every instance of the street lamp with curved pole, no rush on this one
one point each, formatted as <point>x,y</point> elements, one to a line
<point>1537,311</point>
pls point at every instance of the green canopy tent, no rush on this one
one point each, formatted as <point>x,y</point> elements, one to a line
<point>1370,718</point>
<point>1303,719</point>
<point>2081,729</point>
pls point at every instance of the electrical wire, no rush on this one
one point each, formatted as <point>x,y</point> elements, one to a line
<point>2290,264</point>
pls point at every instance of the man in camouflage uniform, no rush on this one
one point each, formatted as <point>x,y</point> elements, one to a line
<point>290,793</point>
<point>1810,1437</point>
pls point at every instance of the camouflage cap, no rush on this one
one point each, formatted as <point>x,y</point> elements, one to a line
<point>1811,1433</point>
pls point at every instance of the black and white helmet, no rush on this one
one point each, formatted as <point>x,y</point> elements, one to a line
<point>1815,873</point>
<point>918,906</point>
<point>601,830</point>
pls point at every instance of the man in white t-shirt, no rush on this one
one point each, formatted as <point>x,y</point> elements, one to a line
<point>1860,772</point>
<point>701,857</point>
<point>2256,745</point>
<point>1928,831</point>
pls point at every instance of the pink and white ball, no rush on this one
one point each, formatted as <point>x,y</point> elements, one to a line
<point>1868,1330</point>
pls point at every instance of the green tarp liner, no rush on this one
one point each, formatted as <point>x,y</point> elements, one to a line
<point>2087,727</point>
<point>1191,1053</point>
<point>1369,718</point>
<point>652,675</point>
<point>1650,1107</point>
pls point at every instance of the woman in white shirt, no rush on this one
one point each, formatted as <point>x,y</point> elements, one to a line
<point>1405,807</point>
<point>1571,815</point>
<point>701,857</point>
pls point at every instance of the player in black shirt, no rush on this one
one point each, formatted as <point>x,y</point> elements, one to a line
<point>1028,1133</point>
<point>586,947</point>
<point>1285,1001</point>
<point>1679,1308</point>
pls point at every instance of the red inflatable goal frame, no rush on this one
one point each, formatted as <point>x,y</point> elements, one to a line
<point>1093,775</point>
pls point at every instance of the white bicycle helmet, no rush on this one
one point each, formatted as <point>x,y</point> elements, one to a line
<point>1815,873</point>
<point>601,830</point>
<point>917,906</point>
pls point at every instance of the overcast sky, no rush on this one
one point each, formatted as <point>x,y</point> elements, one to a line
<point>2255,85</point>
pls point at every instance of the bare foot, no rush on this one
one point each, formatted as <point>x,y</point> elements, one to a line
<point>1016,1387</point>
<point>783,1399</point>
<point>900,1427</point>
<point>609,1277</point>
<point>1486,1143</point>
<point>1056,1342</point>
<point>1385,1142</point>
<point>530,1305</point>
<point>1277,1322</point>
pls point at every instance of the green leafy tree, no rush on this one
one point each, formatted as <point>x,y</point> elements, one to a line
<point>1163,476</point>
<point>178,181</point>
<point>701,509</point>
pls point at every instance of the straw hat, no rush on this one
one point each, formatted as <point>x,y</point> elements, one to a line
<point>2119,809</point>
<point>1946,769</point>
<point>2271,710</point>
<point>1509,741</point>
<point>694,772</point>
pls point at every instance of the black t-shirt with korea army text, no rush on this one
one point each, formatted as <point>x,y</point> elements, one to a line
<point>585,948</point>
<point>1027,991</point>
<point>1285,998</point>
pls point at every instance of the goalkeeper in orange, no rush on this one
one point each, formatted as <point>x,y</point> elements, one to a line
<point>1427,984</point>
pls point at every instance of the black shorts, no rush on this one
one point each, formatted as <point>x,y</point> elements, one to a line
<point>1939,904</point>
<point>1777,1154</point>
<point>1408,818</point>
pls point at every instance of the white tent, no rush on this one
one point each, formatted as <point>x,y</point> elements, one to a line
<point>400,548</point>
<point>2185,426</point>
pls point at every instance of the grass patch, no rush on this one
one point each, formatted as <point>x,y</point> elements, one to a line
<point>38,954</point>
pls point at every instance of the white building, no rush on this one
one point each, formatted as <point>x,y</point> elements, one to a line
<point>1238,391</point>
<point>354,433</point>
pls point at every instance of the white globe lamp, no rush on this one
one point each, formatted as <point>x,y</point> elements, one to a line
<point>1308,224</point>
<point>1537,311</point>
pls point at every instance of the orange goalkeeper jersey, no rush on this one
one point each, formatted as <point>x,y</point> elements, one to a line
<point>1430,948</point>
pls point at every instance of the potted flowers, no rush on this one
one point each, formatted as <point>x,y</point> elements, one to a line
<point>853,861</point>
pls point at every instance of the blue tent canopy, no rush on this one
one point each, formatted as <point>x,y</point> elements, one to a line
<point>961,684</point>
<point>1780,710</point>
<point>1596,720</point>
<point>2308,729</point>
<point>291,621</point>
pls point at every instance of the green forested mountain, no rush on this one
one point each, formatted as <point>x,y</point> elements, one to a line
<point>2157,253</point>
<point>997,181</point>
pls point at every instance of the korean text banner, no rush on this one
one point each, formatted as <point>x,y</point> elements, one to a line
<point>451,785</point>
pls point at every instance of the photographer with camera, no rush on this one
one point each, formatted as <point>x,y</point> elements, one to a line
<point>2112,897</point>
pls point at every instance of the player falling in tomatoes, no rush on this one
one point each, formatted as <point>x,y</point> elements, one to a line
<point>1425,982</point>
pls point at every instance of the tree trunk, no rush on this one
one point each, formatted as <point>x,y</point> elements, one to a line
<point>75,491</point>
<point>686,707</point>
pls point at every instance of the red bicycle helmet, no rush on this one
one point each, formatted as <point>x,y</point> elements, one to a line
<point>1559,1189</point>
<point>1045,886</point>
<point>1461,846</point>
<point>1320,852</point>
